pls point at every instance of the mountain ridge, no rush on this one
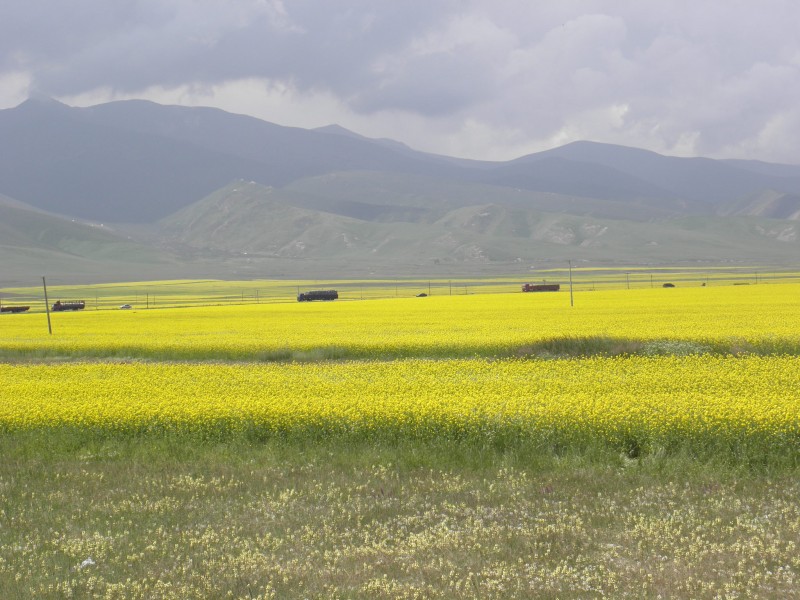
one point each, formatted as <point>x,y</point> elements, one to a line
<point>166,157</point>
<point>200,188</point>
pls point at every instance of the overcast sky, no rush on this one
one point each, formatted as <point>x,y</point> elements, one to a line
<point>490,79</point>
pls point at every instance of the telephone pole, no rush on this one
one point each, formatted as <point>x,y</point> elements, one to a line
<point>571,302</point>
<point>47,306</point>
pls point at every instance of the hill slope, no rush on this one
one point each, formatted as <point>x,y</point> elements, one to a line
<point>35,243</point>
<point>246,217</point>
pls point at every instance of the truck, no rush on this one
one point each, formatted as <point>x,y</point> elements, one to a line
<point>13,309</point>
<point>60,306</point>
<point>318,295</point>
<point>540,287</point>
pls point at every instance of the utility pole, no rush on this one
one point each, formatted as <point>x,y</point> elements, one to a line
<point>47,306</point>
<point>571,302</point>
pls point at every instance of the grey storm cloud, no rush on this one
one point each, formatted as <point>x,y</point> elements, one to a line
<point>129,45</point>
<point>720,76</point>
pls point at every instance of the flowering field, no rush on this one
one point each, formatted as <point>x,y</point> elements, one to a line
<point>633,403</point>
<point>763,319</point>
<point>655,369</point>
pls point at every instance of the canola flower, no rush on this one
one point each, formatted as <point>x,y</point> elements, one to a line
<point>628,402</point>
<point>764,318</point>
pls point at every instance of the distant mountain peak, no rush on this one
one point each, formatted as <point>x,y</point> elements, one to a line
<point>337,130</point>
<point>42,101</point>
<point>334,129</point>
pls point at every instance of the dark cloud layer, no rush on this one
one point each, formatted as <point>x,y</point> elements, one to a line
<point>131,45</point>
<point>720,77</point>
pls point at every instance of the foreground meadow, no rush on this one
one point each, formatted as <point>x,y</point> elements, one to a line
<point>128,519</point>
<point>643,443</point>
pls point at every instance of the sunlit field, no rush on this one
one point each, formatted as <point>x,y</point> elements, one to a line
<point>618,442</point>
<point>730,319</point>
<point>745,408</point>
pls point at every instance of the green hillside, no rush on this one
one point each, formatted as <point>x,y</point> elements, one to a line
<point>389,197</point>
<point>266,223</point>
<point>34,243</point>
<point>247,230</point>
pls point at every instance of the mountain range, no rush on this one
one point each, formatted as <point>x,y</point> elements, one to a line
<point>133,189</point>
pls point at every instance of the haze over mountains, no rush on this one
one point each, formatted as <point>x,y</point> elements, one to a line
<point>199,192</point>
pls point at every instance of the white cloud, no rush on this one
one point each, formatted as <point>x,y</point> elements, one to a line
<point>15,87</point>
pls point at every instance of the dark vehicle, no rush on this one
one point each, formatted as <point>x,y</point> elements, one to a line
<point>318,295</point>
<point>60,306</point>
<point>13,309</point>
<point>540,287</point>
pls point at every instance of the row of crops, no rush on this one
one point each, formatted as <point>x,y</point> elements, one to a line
<point>638,404</point>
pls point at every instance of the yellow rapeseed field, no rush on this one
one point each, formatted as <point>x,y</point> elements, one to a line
<point>643,401</point>
<point>765,316</point>
<point>458,367</point>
